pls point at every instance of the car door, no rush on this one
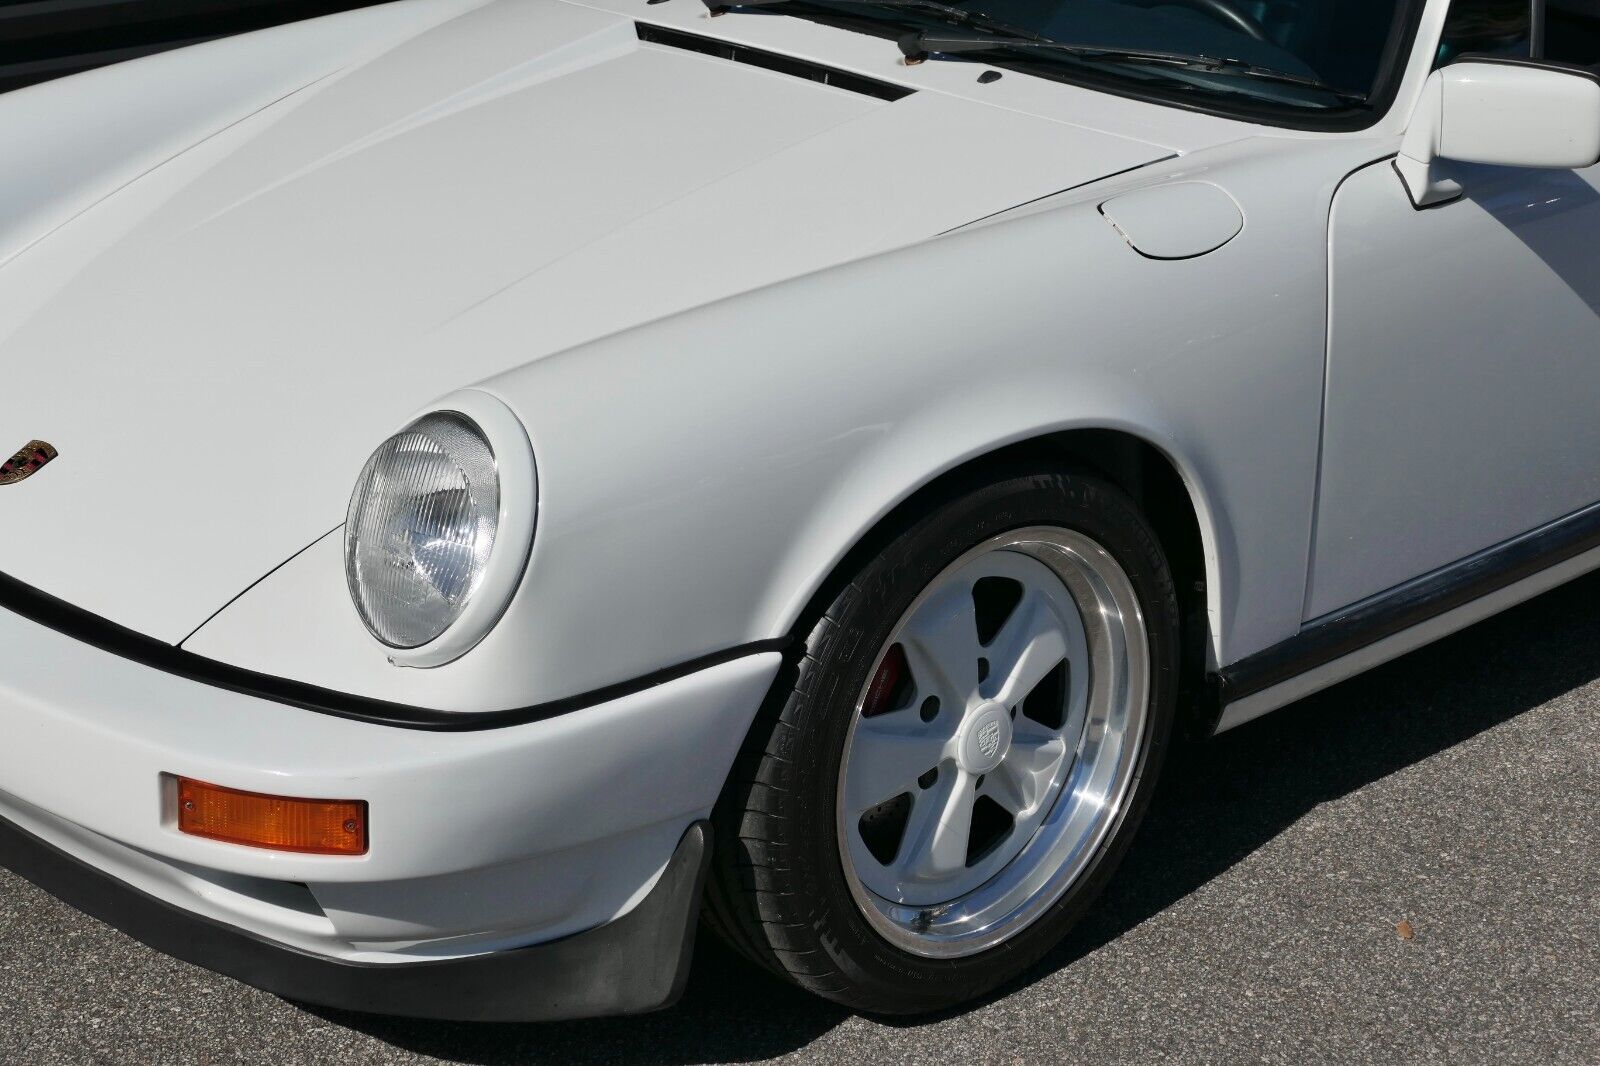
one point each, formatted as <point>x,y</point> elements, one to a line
<point>1463,376</point>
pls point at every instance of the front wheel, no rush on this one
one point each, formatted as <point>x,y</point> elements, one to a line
<point>958,761</point>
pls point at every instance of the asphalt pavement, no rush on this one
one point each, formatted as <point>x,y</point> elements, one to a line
<point>1258,917</point>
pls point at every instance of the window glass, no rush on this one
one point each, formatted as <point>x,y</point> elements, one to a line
<point>1328,55</point>
<point>1503,28</point>
<point>1572,32</point>
<point>1486,27</point>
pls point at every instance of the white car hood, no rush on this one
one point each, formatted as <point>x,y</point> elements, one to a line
<point>217,347</point>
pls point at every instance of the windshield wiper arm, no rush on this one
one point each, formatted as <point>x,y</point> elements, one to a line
<point>961,16</point>
<point>929,44</point>
<point>991,36</point>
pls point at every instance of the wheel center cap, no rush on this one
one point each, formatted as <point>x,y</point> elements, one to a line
<point>985,738</point>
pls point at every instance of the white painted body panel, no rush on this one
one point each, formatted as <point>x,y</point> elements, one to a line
<point>738,508</point>
<point>741,317</point>
<point>1513,115</point>
<point>289,288</point>
<point>1506,114</point>
<point>1180,220</point>
<point>499,837</point>
<point>1440,448</point>
<point>285,293</point>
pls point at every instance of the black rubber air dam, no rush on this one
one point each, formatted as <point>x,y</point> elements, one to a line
<point>637,963</point>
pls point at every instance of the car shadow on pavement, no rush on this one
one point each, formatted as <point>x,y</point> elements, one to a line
<point>1219,801</point>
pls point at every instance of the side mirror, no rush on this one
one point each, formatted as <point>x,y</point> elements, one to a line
<point>1507,112</point>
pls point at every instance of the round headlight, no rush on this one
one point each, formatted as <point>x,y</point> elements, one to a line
<point>421,527</point>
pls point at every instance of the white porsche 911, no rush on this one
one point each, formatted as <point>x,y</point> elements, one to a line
<point>817,455</point>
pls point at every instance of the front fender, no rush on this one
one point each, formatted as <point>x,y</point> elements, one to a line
<point>748,446</point>
<point>701,476</point>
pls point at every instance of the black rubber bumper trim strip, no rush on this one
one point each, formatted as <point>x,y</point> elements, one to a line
<point>108,636</point>
<point>637,963</point>
<point>1412,604</point>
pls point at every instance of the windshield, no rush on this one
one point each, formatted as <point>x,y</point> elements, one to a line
<point>1303,55</point>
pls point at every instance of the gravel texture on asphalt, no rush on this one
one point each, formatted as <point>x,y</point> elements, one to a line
<point>1256,919</point>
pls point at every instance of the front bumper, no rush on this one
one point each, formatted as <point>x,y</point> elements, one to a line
<point>637,963</point>
<point>482,844</point>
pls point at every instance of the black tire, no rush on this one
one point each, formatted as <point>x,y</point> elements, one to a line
<point>777,890</point>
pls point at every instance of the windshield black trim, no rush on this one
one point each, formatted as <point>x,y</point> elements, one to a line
<point>1392,68</point>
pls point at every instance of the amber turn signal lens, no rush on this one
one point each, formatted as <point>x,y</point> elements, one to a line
<point>310,826</point>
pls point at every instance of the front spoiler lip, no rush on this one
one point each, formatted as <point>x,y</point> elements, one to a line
<point>46,610</point>
<point>636,963</point>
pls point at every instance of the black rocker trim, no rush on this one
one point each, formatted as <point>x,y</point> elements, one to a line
<point>108,636</point>
<point>1365,623</point>
<point>637,963</point>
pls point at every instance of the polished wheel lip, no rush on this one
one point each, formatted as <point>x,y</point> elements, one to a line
<point>1089,794</point>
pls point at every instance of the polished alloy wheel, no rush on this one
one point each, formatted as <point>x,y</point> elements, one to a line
<point>994,743</point>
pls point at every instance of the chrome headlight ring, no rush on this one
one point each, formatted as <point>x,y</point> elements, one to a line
<point>440,527</point>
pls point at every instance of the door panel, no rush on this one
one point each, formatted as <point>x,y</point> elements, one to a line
<point>1463,372</point>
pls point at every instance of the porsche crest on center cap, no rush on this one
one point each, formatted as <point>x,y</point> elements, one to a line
<point>29,460</point>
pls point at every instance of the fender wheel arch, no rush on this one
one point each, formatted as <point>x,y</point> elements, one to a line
<point>791,954</point>
<point>1129,462</point>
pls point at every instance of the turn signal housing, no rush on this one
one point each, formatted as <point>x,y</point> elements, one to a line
<point>281,823</point>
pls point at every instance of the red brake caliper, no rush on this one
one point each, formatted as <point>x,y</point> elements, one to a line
<point>891,671</point>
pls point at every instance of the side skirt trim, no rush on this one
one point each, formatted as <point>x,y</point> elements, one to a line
<point>1340,645</point>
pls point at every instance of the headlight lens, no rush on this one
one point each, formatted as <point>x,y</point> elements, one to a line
<point>421,526</point>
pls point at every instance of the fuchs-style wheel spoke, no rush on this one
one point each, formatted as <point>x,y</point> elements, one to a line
<point>935,844</point>
<point>1030,645</point>
<point>1020,782</point>
<point>1025,730</point>
<point>941,643</point>
<point>895,750</point>
<point>1030,654</point>
<point>967,832</point>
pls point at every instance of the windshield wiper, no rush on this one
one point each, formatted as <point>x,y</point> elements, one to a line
<point>994,36</point>
<point>960,16</point>
<point>931,44</point>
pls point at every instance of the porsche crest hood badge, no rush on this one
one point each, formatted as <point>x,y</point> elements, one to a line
<point>30,458</point>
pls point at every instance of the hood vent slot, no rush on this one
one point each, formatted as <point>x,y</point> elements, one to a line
<point>782,64</point>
